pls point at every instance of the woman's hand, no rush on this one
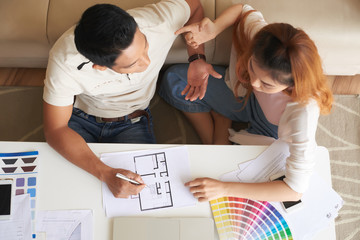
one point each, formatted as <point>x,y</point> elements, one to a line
<point>198,33</point>
<point>207,189</point>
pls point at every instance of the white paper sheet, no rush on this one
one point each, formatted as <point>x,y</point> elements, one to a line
<point>19,225</point>
<point>321,202</point>
<point>270,162</point>
<point>320,205</point>
<point>164,171</point>
<point>65,224</point>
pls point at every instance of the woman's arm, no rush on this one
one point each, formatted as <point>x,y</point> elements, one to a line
<point>205,30</point>
<point>207,189</point>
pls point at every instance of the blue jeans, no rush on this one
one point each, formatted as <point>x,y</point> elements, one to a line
<point>126,131</point>
<point>218,98</point>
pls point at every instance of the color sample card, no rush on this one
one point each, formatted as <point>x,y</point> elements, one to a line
<point>239,218</point>
<point>22,167</point>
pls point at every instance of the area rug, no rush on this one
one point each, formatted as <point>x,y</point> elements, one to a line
<point>21,120</point>
<point>21,114</point>
<point>340,133</point>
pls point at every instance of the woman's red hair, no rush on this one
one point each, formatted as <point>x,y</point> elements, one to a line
<point>281,48</point>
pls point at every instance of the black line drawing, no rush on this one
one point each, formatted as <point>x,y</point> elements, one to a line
<point>154,171</point>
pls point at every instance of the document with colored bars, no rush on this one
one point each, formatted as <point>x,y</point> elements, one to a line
<point>22,167</point>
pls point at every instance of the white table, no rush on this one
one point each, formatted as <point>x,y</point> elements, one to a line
<point>63,186</point>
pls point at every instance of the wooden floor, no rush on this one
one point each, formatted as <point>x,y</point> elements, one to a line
<point>22,76</point>
<point>36,76</point>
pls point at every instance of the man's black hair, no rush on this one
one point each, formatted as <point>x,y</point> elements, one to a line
<point>102,32</point>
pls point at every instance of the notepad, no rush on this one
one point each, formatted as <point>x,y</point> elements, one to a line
<point>153,228</point>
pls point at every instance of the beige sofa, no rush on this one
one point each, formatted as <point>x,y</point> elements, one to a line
<point>29,28</point>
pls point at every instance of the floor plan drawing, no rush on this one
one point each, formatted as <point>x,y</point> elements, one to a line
<point>164,172</point>
<point>153,170</point>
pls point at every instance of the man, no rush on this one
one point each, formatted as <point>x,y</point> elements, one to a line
<point>109,64</point>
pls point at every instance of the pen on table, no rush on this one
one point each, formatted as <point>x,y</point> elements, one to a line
<point>123,177</point>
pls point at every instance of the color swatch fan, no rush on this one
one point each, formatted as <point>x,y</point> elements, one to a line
<point>239,218</point>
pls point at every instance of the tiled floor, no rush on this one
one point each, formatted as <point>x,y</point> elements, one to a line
<point>36,76</point>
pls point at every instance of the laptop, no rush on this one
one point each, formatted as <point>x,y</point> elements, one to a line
<point>154,228</point>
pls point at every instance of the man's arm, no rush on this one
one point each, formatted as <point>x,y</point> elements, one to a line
<point>199,70</point>
<point>74,148</point>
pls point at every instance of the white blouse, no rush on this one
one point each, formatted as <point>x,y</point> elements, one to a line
<point>297,123</point>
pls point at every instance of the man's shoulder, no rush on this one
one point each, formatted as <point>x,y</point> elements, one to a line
<point>65,40</point>
<point>171,12</point>
<point>64,52</point>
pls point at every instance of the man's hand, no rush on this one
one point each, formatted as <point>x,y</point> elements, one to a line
<point>198,74</point>
<point>122,188</point>
<point>198,33</point>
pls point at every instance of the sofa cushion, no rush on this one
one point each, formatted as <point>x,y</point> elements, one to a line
<point>23,41</point>
<point>332,24</point>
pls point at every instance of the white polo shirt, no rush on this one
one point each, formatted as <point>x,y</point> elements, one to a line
<point>108,93</point>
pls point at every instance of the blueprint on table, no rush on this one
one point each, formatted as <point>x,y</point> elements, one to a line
<point>164,172</point>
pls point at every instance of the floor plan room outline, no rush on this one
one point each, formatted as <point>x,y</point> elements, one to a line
<point>153,169</point>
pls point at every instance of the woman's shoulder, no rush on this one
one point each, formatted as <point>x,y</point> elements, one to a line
<point>311,103</point>
<point>254,21</point>
<point>299,121</point>
<point>296,109</point>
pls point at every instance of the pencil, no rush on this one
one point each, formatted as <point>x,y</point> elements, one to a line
<point>119,175</point>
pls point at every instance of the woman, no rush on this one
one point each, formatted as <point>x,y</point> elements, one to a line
<point>275,82</point>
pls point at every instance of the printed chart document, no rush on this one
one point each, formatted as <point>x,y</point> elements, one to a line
<point>23,168</point>
<point>19,225</point>
<point>321,202</point>
<point>65,224</point>
<point>164,172</point>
